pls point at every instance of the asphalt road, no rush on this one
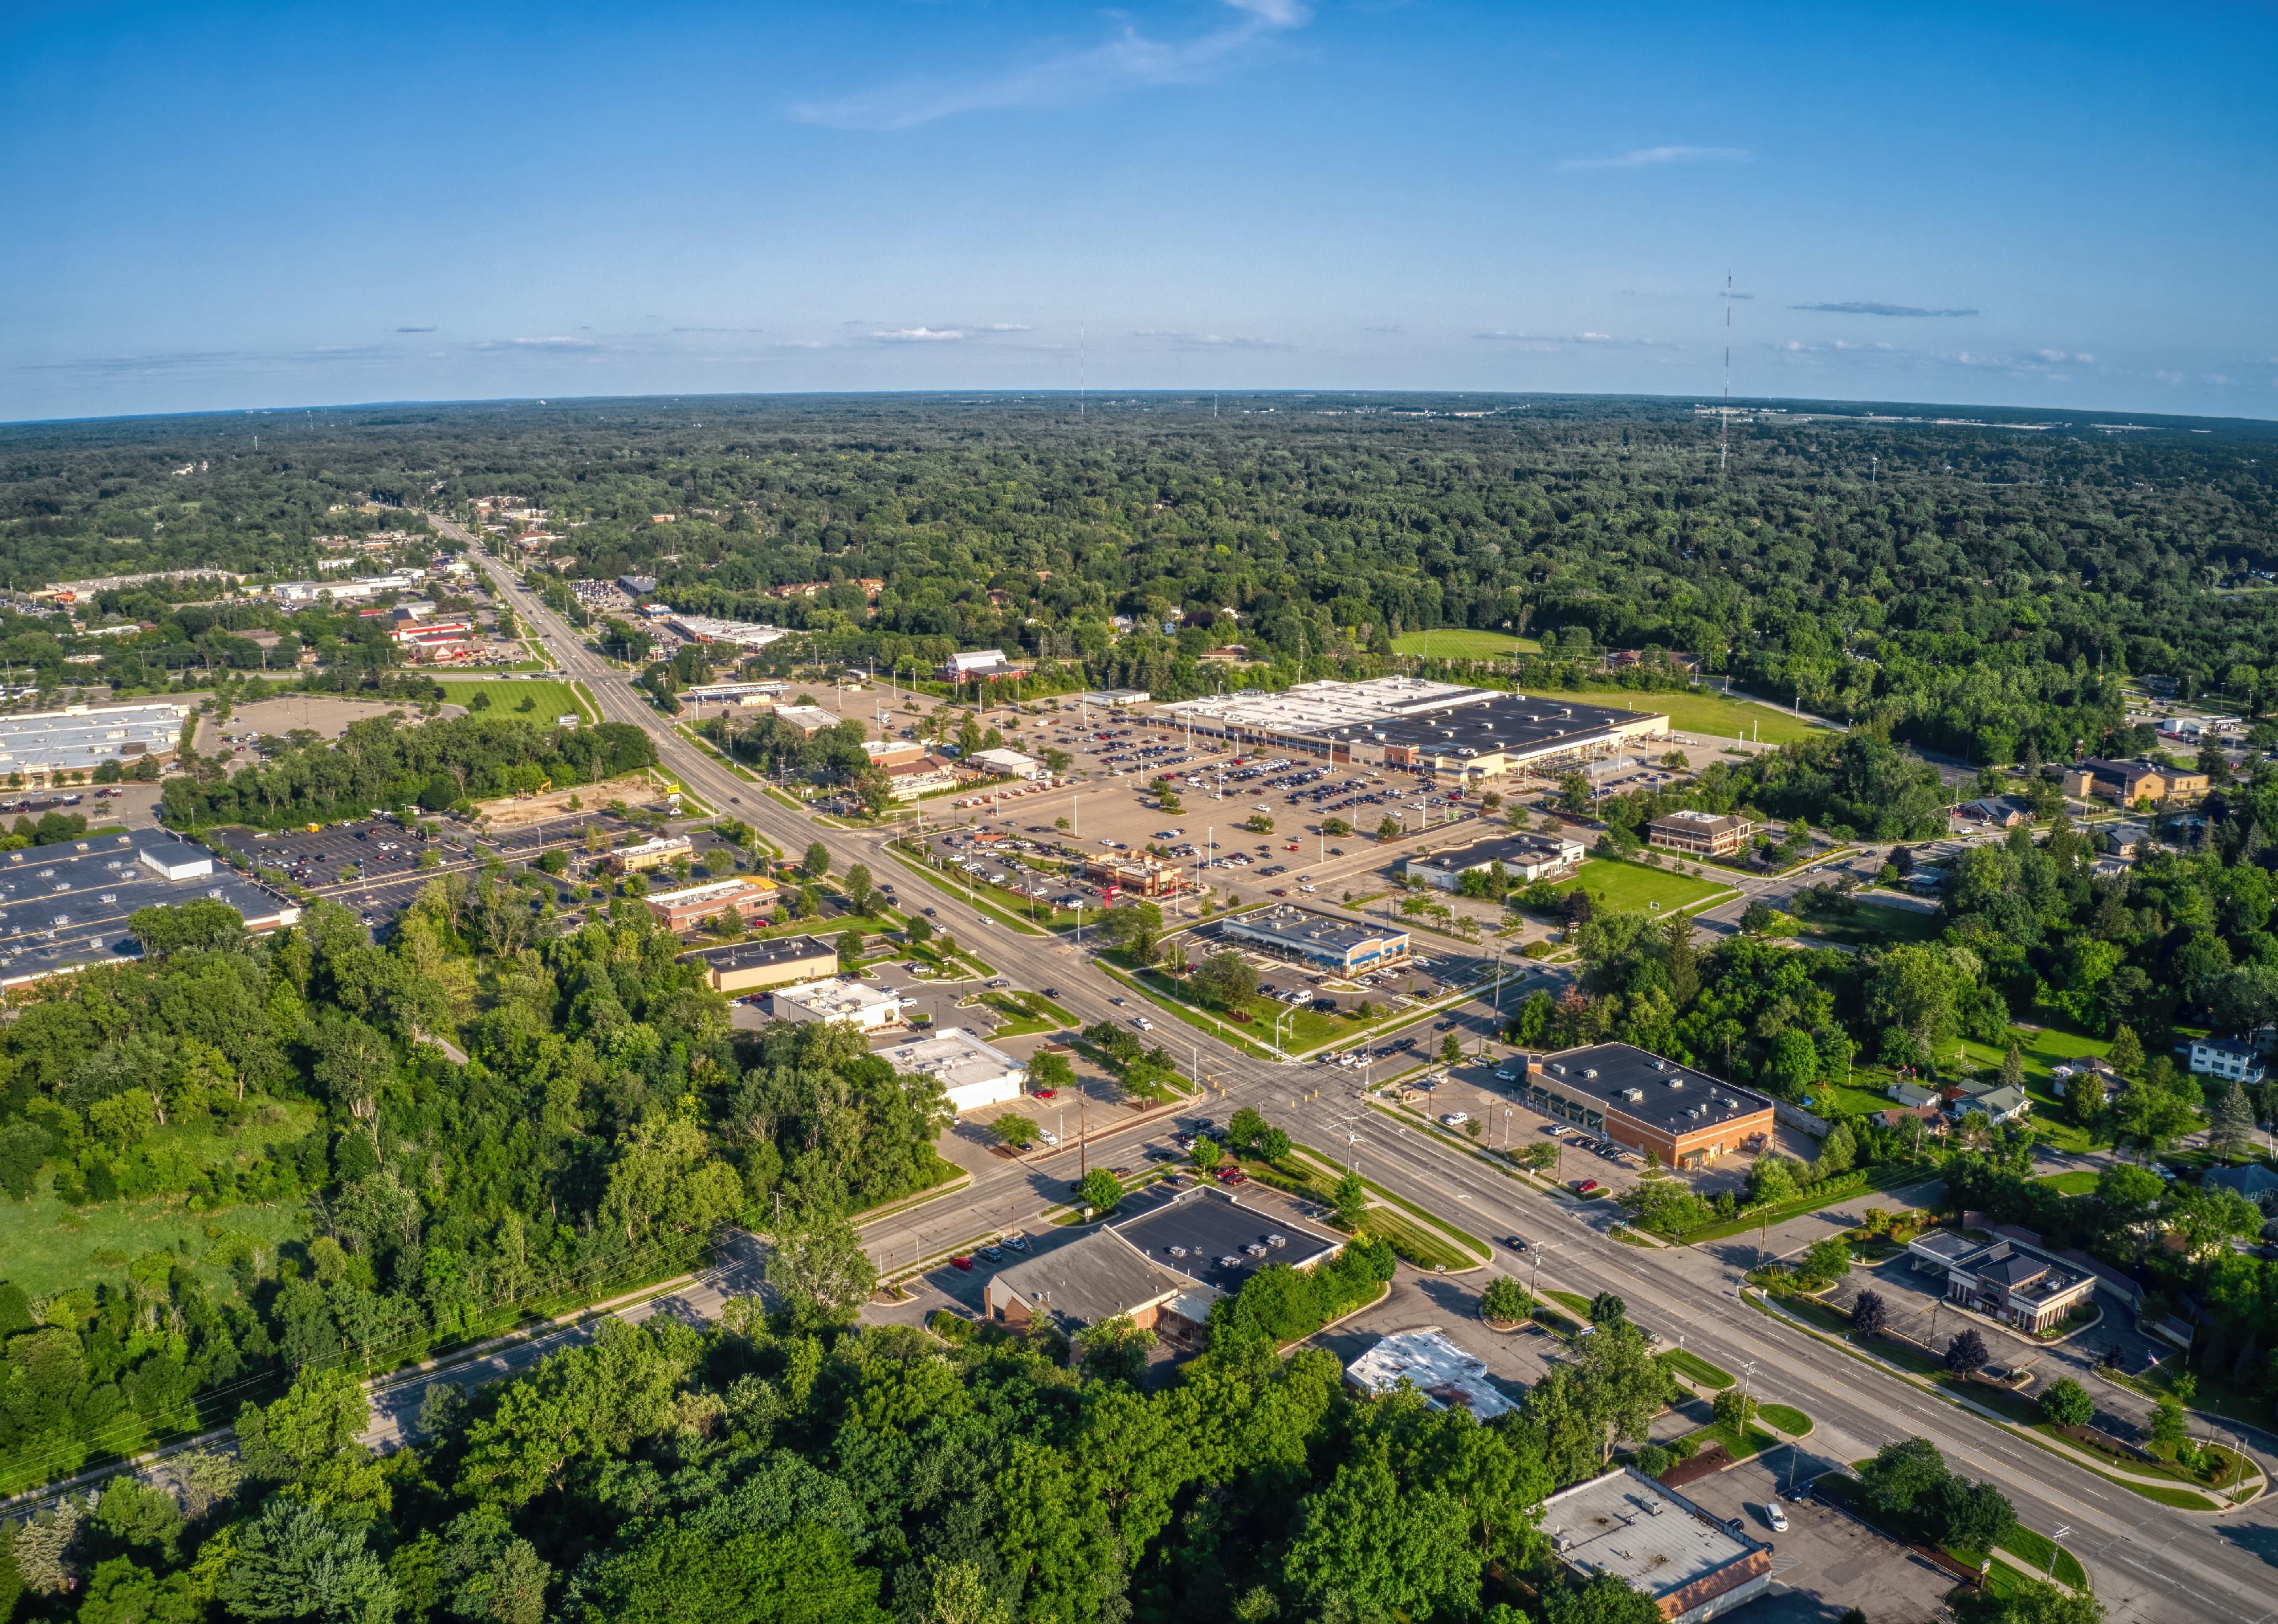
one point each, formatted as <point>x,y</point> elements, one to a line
<point>2148,1562</point>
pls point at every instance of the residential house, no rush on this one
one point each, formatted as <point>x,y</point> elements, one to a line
<point>2227,1059</point>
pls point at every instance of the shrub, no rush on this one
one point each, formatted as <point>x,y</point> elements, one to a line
<point>1653,1459</point>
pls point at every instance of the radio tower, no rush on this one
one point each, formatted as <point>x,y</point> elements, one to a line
<point>1079,371</point>
<point>1724,417</point>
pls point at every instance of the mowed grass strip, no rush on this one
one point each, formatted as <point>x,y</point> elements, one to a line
<point>1462,643</point>
<point>1634,887</point>
<point>539,702</point>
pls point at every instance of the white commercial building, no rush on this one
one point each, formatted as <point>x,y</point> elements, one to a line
<point>743,634</point>
<point>78,739</point>
<point>1007,763</point>
<point>972,1073</point>
<point>345,591</point>
<point>866,1008</point>
<point>1443,1373</point>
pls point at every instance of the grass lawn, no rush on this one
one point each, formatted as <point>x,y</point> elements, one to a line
<point>2076,1183</point>
<point>1696,1369</point>
<point>1833,1100</point>
<point>1749,1442</point>
<point>1460,642</point>
<point>1788,1419</point>
<point>49,1247</point>
<point>1613,883</point>
<point>1026,1013</point>
<point>1416,1243</point>
<point>1872,924</point>
<point>545,701</point>
<point>1573,1300</point>
<point>1712,715</point>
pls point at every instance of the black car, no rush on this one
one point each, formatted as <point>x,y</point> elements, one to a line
<point>1051,991</point>
<point>1517,1243</point>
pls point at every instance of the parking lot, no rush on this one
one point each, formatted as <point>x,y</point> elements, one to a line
<point>1824,1562</point>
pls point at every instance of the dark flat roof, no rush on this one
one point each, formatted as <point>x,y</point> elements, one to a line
<point>1211,1223</point>
<point>67,904</point>
<point>1288,922</point>
<point>768,950</point>
<point>1667,1090</point>
<point>1509,723</point>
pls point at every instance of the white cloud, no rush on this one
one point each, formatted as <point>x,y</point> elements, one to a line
<point>919,335</point>
<point>1127,61</point>
<point>1647,157</point>
<point>1545,340</point>
<point>2169,377</point>
<point>1008,327</point>
<point>1207,340</point>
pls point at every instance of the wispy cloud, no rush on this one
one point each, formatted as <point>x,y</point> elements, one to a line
<point>167,361</point>
<point>1127,61</point>
<point>414,330</point>
<point>1560,340</point>
<point>1868,307</point>
<point>566,345</point>
<point>740,329</point>
<point>919,335</point>
<point>1389,327</point>
<point>1207,340</point>
<point>1647,157</point>
<point>1008,327</point>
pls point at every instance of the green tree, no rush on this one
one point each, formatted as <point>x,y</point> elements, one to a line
<point>293,1561</point>
<point>1226,978</point>
<point>2126,1055</point>
<point>1451,1050</point>
<point>816,863</point>
<point>1100,1190</point>
<point>1015,1130</point>
<point>1349,1196</point>
<point>2066,1403</point>
<point>1607,1310</point>
<point>1114,1350</point>
<point>1601,1598</point>
<point>1827,1260</point>
<point>1504,1300</point>
<point>861,888</point>
<point>821,1272</point>
<point>2230,1124</point>
<point>1378,1549</point>
<point>1901,1473</point>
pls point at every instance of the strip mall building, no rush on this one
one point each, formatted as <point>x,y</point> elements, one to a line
<point>1458,735</point>
<point>1648,1104</point>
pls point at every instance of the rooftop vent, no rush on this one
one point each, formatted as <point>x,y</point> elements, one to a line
<point>1632,1093</point>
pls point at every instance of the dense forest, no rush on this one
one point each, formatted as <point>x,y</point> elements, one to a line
<point>604,1121</point>
<point>1979,587</point>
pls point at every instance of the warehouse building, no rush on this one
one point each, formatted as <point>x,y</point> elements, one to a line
<point>858,1004</point>
<point>65,906</point>
<point>693,904</point>
<point>769,962</point>
<point>749,635</point>
<point>1008,764</point>
<point>1693,1567</point>
<point>1651,1105</point>
<point>1458,735</point>
<point>1347,946</point>
<point>41,744</point>
<point>971,1073</point>
<point>1523,857</point>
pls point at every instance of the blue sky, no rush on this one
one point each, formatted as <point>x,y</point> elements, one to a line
<point>219,205</point>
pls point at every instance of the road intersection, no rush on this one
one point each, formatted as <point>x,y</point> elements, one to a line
<point>2149,1562</point>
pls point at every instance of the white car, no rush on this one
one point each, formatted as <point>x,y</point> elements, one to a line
<point>1142,1023</point>
<point>1047,1136</point>
<point>1776,1517</point>
<point>1455,1119</point>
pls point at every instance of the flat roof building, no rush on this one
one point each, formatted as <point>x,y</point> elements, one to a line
<point>971,1073</point>
<point>79,739</point>
<point>1700,833</point>
<point>865,1007</point>
<point>732,693</point>
<point>1656,1540</point>
<point>65,906</point>
<point>808,719</point>
<point>1455,733</point>
<point>1286,931</point>
<point>649,854</point>
<point>1114,698</point>
<point>1208,1235</point>
<point>1649,1104</point>
<point>741,634</point>
<point>1523,857</point>
<point>768,961</point>
<point>979,665</point>
<point>1446,1376</point>
<point>1008,764</point>
<point>677,910</point>
<point>1142,876</point>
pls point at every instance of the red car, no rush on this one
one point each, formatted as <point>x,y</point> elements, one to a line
<point>1043,1094</point>
<point>1232,1175</point>
<point>1587,1186</point>
<point>965,1263</point>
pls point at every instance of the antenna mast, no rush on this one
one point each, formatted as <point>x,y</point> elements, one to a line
<point>1079,371</point>
<point>1724,417</point>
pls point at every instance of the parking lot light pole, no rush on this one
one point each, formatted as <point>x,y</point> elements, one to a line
<point>2058,1535</point>
<point>1534,1284</point>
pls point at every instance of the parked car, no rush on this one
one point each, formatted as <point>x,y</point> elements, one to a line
<point>1776,1516</point>
<point>1019,1242</point>
<point>966,1263</point>
<point>1585,1186</point>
